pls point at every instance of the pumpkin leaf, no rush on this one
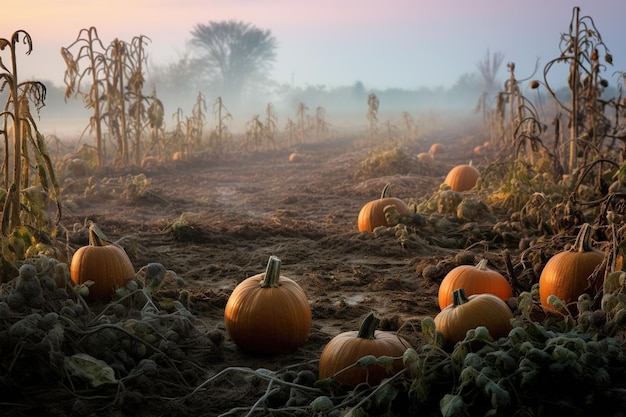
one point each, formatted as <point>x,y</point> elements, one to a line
<point>429,330</point>
<point>385,394</point>
<point>367,360</point>
<point>452,405</point>
<point>95,371</point>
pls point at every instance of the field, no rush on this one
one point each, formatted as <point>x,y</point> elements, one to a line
<point>187,215</point>
<point>214,223</point>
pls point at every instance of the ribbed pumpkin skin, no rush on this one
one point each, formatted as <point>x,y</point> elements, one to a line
<point>346,348</point>
<point>107,266</point>
<point>268,320</point>
<point>487,310</point>
<point>462,177</point>
<point>475,279</point>
<point>565,275</point>
<point>372,215</point>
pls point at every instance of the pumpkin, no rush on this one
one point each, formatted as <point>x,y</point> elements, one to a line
<point>425,157</point>
<point>462,177</point>
<point>338,358</point>
<point>295,157</point>
<point>566,274</point>
<point>476,279</point>
<point>105,264</point>
<point>436,148</point>
<point>467,313</point>
<point>268,313</point>
<point>179,156</point>
<point>372,214</point>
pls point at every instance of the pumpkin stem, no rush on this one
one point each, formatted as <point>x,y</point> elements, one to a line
<point>583,240</point>
<point>459,297</point>
<point>272,273</point>
<point>368,327</point>
<point>482,265</point>
<point>96,236</point>
<point>386,191</point>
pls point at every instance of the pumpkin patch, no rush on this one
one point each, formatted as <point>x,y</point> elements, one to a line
<point>506,298</point>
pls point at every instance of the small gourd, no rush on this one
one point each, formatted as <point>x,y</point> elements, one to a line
<point>339,357</point>
<point>566,274</point>
<point>268,313</point>
<point>467,313</point>
<point>474,279</point>
<point>372,214</point>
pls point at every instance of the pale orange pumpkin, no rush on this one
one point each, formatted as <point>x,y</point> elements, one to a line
<point>372,214</point>
<point>467,313</point>
<point>107,265</point>
<point>295,157</point>
<point>425,157</point>
<point>476,279</point>
<point>436,148</point>
<point>339,357</point>
<point>268,313</point>
<point>462,177</point>
<point>566,274</point>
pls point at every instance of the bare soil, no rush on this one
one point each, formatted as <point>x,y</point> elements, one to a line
<point>216,221</point>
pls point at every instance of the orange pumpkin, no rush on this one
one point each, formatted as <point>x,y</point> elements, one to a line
<point>105,264</point>
<point>268,313</point>
<point>295,157</point>
<point>339,357</point>
<point>566,275</point>
<point>372,214</point>
<point>436,148</point>
<point>467,313</point>
<point>462,177</point>
<point>476,279</point>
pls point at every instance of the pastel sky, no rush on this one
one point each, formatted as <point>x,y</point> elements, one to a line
<point>384,44</point>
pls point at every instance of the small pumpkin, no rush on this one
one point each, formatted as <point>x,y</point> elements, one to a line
<point>436,148</point>
<point>425,157</point>
<point>268,313</point>
<point>372,214</point>
<point>338,358</point>
<point>467,313</point>
<point>295,157</point>
<point>462,177</point>
<point>474,279</point>
<point>566,274</point>
<point>106,264</point>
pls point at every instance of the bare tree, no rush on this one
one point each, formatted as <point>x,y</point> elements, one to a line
<point>237,56</point>
<point>488,69</point>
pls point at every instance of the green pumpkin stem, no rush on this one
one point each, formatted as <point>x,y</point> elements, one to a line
<point>386,193</point>
<point>96,236</point>
<point>368,327</point>
<point>583,240</point>
<point>459,297</point>
<point>272,273</point>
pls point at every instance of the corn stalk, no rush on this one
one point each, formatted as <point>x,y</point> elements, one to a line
<point>90,49</point>
<point>23,202</point>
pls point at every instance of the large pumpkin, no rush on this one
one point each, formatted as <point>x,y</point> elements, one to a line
<point>566,275</point>
<point>462,177</point>
<point>372,214</point>
<point>105,264</point>
<point>339,356</point>
<point>268,313</point>
<point>476,279</point>
<point>467,313</point>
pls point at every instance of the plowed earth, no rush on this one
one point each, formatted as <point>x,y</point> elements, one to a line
<point>216,222</point>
